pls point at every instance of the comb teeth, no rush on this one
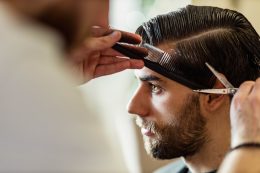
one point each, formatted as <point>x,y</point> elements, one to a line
<point>154,54</point>
<point>159,56</point>
<point>166,62</point>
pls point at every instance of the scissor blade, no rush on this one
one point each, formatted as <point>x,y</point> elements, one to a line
<point>223,80</point>
<point>212,91</point>
<point>217,91</point>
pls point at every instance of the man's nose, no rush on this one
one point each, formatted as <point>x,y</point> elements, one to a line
<point>138,104</point>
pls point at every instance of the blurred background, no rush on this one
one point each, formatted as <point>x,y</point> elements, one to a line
<point>112,98</point>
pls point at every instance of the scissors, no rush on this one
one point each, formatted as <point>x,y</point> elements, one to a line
<point>230,89</point>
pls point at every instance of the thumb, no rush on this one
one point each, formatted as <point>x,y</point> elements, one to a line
<point>101,43</point>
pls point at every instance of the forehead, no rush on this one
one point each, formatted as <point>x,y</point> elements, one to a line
<point>146,74</point>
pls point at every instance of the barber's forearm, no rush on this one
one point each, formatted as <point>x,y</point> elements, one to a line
<point>244,160</point>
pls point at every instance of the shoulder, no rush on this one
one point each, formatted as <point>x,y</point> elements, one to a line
<point>173,167</point>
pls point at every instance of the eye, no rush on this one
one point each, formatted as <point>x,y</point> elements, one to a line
<point>155,89</point>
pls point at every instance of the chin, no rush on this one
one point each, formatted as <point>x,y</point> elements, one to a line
<point>162,152</point>
<point>159,152</point>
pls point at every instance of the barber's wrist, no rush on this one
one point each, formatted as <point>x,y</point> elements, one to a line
<point>248,145</point>
<point>238,139</point>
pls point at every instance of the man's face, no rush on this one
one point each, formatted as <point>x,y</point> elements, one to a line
<point>169,116</point>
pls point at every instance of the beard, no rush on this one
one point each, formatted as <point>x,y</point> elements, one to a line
<point>184,135</point>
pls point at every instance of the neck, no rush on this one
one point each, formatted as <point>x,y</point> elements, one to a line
<point>214,149</point>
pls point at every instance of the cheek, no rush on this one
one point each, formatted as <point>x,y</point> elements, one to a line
<point>166,108</point>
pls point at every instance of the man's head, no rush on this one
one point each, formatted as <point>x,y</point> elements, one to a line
<point>176,121</point>
<point>171,121</point>
<point>71,18</point>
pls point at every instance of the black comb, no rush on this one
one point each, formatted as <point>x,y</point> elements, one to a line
<point>130,50</point>
<point>162,62</point>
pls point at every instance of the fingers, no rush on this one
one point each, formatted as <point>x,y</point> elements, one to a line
<point>256,89</point>
<point>136,64</point>
<point>117,66</point>
<point>131,38</point>
<point>243,92</point>
<point>103,70</point>
<point>104,44</point>
<point>111,52</point>
<point>101,43</point>
<point>254,97</point>
<point>97,31</point>
<point>245,88</point>
<point>96,45</point>
<point>131,50</point>
<point>126,37</point>
<point>241,116</point>
<point>111,60</point>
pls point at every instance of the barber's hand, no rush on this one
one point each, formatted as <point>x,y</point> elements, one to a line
<point>96,57</point>
<point>245,114</point>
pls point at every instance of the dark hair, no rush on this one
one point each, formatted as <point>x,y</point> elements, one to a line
<point>223,38</point>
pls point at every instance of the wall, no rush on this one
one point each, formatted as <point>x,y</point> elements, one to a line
<point>250,8</point>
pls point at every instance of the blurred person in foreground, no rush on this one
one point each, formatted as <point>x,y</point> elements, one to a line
<point>176,121</point>
<point>46,49</point>
<point>245,130</point>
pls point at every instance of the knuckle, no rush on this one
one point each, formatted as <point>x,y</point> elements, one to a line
<point>105,40</point>
<point>247,84</point>
<point>258,80</point>
<point>255,99</point>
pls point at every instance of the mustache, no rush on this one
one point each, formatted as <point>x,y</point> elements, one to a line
<point>142,123</point>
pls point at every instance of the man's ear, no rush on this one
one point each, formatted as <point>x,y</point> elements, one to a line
<point>213,102</point>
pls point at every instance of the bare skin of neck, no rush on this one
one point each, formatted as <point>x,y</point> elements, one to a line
<point>213,151</point>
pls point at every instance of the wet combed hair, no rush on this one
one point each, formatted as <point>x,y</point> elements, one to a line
<point>224,38</point>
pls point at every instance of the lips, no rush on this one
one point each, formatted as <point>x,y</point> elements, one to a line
<point>147,132</point>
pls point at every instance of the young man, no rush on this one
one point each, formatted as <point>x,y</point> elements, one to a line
<point>176,121</point>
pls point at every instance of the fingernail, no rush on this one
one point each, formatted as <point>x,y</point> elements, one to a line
<point>116,34</point>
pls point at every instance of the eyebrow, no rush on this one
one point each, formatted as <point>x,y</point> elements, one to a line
<point>150,78</point>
